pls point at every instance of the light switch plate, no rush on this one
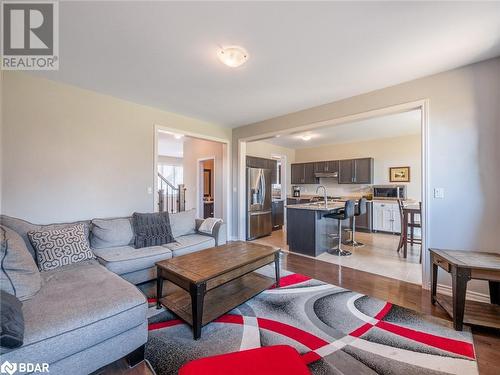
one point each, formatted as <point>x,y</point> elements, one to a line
<point>438,193</point>
<point>150,190</point>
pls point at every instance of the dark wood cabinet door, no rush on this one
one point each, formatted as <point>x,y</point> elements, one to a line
<point>309,176</point>
<point>297,176</point>
<point>320,166</point>
<point>332,166</point>
<point>346,172</point>
<point>278,213</point>
<point>363,171</point>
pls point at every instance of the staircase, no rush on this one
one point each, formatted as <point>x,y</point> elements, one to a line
<point>170,198</point>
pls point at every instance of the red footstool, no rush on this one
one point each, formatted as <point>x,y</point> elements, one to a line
<point>269,360</point>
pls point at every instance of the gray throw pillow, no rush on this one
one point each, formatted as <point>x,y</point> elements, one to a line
<point>183,223</point>
<point>151,229</point>
<point>11,321</point>
<point>111,233</point>
<point>60,247</point>
<point>19,274</point>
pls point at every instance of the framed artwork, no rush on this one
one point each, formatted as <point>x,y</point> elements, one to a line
<point>399,174</point>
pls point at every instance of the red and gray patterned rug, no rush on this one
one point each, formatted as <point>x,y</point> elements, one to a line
<point>336,331</point>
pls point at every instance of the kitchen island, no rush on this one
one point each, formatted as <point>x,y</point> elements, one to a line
<point>308,230</point>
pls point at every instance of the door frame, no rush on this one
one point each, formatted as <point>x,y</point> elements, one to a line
<point>422,105</point>
<point>226,169</point>
<point>199,185</point>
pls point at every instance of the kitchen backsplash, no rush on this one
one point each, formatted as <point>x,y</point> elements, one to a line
<point>334,189</point>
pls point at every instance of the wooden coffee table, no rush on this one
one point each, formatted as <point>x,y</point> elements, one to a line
<point>217,280</point>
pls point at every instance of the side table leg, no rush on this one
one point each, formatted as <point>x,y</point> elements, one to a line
<point>494,292</point>
<point>434,276</point>
<point>197,292</point>
<point>277,268</point>
<point>459,277</point>
<point>159,290</point>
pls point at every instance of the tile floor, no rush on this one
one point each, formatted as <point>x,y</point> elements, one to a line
<point>378,256</point>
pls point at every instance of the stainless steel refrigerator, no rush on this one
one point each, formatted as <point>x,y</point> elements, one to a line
<point>259,200</point>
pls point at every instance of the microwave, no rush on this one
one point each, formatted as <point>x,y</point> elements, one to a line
<point>389,191</point>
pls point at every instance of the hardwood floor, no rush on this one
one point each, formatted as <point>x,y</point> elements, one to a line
<point>412,296</point>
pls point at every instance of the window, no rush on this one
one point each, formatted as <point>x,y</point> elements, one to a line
<point>173,173</point>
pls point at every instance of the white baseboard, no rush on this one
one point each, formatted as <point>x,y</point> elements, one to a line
<point>472,296</point>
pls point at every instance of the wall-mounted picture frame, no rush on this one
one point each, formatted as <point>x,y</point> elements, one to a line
<point>399,174</point>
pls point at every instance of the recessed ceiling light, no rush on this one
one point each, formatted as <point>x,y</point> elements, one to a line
<point>232,56</point>
<point>306,137</point>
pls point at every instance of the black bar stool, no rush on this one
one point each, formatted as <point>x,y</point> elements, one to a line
<point>360,209</point>
<point>342,214</point>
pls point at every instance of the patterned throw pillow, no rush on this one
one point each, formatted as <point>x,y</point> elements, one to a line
<point>151,229</point>
<point>60,247</point>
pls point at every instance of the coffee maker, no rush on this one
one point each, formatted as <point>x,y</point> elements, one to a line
<point>296,191</point>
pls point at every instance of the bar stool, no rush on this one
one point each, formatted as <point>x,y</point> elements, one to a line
<point>360,209</point>
<point>342,214</point>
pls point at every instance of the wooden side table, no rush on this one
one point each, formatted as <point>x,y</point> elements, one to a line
<point>464,266</point>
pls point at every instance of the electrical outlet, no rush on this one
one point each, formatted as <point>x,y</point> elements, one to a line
<point>150,190</point>
<point>438,193</point>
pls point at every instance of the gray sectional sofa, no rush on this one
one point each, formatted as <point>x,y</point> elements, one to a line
<point>88,314</point>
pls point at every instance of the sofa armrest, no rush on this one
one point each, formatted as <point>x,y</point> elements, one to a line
<point>219,233</point>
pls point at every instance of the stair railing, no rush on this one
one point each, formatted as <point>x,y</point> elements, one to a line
<point>170,198</point>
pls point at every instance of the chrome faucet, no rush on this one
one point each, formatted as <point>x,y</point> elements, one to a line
<point>324,191</point>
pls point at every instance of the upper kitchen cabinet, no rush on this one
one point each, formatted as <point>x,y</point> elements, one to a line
<point>303,173</point>
<point>356,171</point>
<point>255,162</point>
<point>331,166</point>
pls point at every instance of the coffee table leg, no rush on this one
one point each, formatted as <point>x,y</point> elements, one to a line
<point>495,292</point>
<point>459,279</point>
<point>159,290</point>
<point>197,292</point>
<point>434,275</point>
<point>277,268</point>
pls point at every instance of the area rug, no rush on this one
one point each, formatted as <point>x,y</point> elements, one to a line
<point>337,331</point>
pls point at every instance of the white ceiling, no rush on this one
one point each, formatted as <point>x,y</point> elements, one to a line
<point>168,145</point>
<point>397,125</point>
<point>302,54</point>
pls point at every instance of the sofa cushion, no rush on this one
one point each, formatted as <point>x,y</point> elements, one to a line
<point>183,223</point>
<point>124,259</point>
<point>111,233</point>
<point>60,247</point>
<point>151,229</point>
<point>79,306</point>
<point>19,274</point>
<point>22,227</point>
<point>190,243</point>
<point>12,321</point>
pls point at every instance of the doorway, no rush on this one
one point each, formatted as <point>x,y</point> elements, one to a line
<point>422,109</point>
<point>206,187</point>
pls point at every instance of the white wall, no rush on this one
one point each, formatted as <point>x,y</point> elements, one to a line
<point>194,150</point>
<point>464,156</point>
<point>72,154</point>
<point>386,152</point>
<point>266,150</point>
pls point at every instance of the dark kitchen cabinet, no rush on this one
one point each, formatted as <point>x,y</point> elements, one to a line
<point>356,171</point>
<point>303,173</point>
<point>309,176</point>
<point>331,166</point>
<point>208,210</point>
<point>297,175</point>
<point>278,214</point>
<point>255,162</point>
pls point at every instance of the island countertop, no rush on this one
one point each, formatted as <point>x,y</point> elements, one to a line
<point>317,206</point>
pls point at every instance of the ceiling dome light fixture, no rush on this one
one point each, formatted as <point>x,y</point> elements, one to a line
<point>232,56</point>
<point>306,137</point>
